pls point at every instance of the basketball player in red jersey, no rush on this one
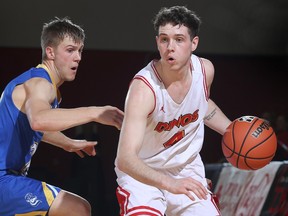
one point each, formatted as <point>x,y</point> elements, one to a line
<point>158,164</point>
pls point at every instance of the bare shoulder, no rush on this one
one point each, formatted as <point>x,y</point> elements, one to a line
<point>140,95</point>
<point>40,88</point>
<point>141,88</point>
<point>209,69</point>
<point>36,88</point>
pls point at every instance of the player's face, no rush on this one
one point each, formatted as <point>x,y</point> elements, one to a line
<point>67,57</point>
<point>175,45</point>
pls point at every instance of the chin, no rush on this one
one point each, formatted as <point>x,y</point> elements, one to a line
<point>70,79</point>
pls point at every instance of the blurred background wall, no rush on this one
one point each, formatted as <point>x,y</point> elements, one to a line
<point>246,40</point>
<point>229,27</point>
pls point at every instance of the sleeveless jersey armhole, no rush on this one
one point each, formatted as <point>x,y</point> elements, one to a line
<point>143,79</point>
<point>204,79</point>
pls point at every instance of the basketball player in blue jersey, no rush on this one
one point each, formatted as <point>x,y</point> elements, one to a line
<point>159,168</point>
<point>29,114</point>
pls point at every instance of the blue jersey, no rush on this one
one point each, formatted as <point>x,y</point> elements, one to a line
<point>18,142</point>
<point>19,194</point>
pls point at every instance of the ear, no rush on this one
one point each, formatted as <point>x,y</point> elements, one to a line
<point>50,53</point>
<point>195,42</point>
<point>157,40</point>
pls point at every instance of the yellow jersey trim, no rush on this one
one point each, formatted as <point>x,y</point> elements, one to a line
<point>59,98</point>
<point>35,213</point>
<point>48,194</point>
<point>49,198</point>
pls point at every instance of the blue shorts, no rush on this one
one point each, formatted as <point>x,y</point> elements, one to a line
<point>20,195</point>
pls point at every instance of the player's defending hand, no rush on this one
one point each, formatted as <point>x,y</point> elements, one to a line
<point>81,146</point>
<point>188,185</point>
<point>110,115</point>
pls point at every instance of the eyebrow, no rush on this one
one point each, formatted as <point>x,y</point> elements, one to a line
<point>177,35</point>
<point>73,46</point>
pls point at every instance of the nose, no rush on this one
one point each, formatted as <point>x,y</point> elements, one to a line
<point>170,45</point>
<point>78,56</point>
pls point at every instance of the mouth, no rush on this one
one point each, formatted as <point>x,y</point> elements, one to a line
<point>170,60</point>
<point>74,68</point>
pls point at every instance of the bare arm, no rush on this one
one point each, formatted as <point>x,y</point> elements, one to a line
<point>38,93</point>
<point>139,103</point>
<point>215,118</point>
<point>70,145</point>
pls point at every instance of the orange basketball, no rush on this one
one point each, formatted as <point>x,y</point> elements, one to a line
<point>249,143</point>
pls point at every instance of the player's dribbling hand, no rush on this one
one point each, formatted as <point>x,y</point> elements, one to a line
<point>188,185</point>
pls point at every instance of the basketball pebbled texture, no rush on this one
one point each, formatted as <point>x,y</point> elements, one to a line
<point>249,143</point>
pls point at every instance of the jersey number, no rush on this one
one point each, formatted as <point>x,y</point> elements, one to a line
<point>174,139</point>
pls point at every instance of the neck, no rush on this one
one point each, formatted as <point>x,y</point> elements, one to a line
<point>53,72</point>
<point>52,77</point>
<point>168,75</point>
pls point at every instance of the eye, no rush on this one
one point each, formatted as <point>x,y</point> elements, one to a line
<point>163,40</point>
<point>179,39</point>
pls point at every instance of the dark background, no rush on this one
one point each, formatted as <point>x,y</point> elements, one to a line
<point>246,40</point>
<point>229,27</point>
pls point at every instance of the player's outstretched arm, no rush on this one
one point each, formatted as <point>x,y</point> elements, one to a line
<point>37,105</point>
<point>71,145</point>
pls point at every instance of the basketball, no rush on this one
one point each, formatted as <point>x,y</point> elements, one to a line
<point>249,143</point>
